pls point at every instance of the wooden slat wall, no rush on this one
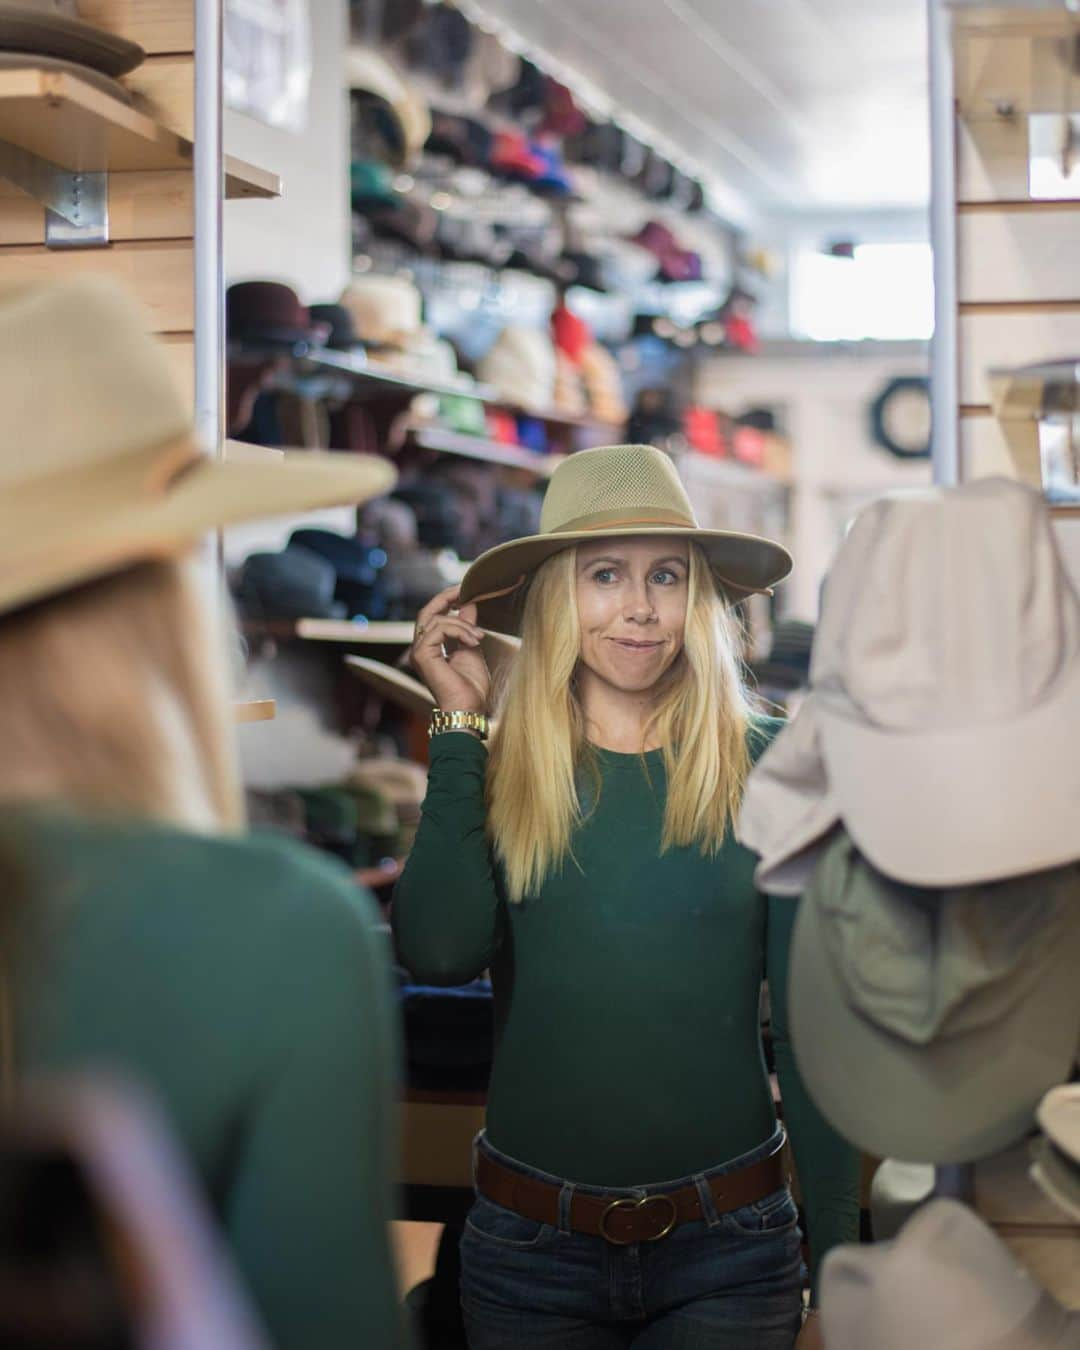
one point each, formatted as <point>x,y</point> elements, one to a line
<point>167,86</point>
<point>141,206</point>
<point>158,273</point>
<point>996,339</point>
<point>1018,256</point>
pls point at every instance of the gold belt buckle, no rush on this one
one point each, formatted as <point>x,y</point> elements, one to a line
<point>629,1204</point>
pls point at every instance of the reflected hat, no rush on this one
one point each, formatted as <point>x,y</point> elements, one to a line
<point>1057,1156</point>
<point>53,28</point>
<point>927,1024</point>
<point>945,664</point>
<point>393,685</point>
<point>99,464</point>
<point>612,492</point>
<point>946,1282</point>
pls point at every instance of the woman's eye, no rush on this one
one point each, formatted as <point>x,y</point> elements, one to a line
<point>665,577</point>
<point>605,575</point>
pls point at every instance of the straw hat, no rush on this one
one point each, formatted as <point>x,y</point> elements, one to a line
<point>607,493</point>
<point>99,465</point>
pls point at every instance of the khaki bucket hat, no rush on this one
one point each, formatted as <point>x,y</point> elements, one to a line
<point>99,465</point>
<point>947,1283</point>
<point>928,1024</point>
<point>607,493</point>
<point>944,679</point>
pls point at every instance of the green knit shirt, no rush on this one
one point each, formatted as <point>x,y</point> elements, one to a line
<point>242,983</point>
<point>626,993</point>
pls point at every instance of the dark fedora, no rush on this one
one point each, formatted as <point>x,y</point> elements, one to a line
<point>342,336</point>
<point>53,28</point>
<point>267,312</point>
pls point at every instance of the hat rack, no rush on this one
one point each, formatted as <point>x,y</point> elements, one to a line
<point>1006,100</point>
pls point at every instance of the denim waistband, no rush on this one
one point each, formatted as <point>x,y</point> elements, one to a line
<point>763,1150</point>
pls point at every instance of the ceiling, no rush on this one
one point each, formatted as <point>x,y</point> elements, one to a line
<point>785,106</point>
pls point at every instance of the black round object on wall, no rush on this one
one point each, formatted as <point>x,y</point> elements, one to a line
<point>900,417</point>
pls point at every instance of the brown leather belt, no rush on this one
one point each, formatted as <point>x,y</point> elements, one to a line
<point>625,1219</point>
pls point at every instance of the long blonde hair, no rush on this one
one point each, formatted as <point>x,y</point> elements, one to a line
<point>114,701</point>
<point>700,719</point>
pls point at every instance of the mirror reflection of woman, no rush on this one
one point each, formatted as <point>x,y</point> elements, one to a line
<point>630,1183</point>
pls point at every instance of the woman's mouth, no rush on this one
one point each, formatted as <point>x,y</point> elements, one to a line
<point>636,647</point>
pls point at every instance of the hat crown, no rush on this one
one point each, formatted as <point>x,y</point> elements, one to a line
<point>615,486</point>
<point>946,608</point>
<point>80,384</point>
<point>947,1278</point>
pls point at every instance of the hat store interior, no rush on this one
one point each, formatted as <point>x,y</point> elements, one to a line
<point>820,255</point>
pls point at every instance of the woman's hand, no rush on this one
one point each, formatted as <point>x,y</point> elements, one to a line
<point>811,1337</point>
<point>460,679</point>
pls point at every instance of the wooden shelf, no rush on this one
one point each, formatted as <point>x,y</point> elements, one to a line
<point>78,127</point>
<point>248,180</point>
<point>393,633</point>
<point>256,710</point>
<point>491,452</point>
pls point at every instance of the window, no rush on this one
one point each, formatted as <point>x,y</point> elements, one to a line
<point>886,291</point>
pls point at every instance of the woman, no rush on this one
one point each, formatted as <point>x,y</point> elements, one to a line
<point>240,980</point>
<point>629,1186</point>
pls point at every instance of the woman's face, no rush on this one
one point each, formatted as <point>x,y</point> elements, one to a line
<point>632,598</point>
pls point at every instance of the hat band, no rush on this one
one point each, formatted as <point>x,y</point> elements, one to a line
<point>603,520</point>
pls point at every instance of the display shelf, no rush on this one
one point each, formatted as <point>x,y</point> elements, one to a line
<point>75,126</point>
<point>387,634</point>
<point>476,447</point>
<point>255,710</point>
<point>369,372</point>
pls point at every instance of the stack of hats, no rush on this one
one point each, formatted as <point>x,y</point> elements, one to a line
<point>50,35</point>
<point>390,121</point>
<point>268,315</point>
<point>386,317</point>
<point>521,367</point>
<point>924,802</point>
<point>587,375</point>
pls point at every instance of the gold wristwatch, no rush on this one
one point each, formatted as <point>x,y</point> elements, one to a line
<point>458,721</point>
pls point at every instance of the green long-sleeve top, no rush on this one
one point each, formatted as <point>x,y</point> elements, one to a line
<point>242,982</point>
<point>627,993</point>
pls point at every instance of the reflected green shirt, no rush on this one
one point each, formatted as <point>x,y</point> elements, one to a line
<point>626,993</point>
<point>243,983</point>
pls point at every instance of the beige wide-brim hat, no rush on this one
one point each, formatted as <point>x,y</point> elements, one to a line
<point>370,72</point>
<point>100,467</point>
<point>615,491</point>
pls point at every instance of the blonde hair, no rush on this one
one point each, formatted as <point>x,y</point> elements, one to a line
<point>114,701</point>
<point>700,719</point>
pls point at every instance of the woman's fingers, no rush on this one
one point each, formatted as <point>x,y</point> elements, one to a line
<point>440,604</point>
<point>447,625</point>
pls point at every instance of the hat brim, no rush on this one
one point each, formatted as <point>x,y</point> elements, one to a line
<point>955,1100</point>
<point>66,39</point>
<point>940,808</point>
<point>788,809</point>
<point>18,60</point>
<point>1058,1180</point>
<point>742,564</point>
<point>394,685</point>
<point>121,513</point>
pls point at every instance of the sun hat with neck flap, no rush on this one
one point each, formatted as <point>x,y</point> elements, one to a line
<point>615,491</point>
<point>99,463</point>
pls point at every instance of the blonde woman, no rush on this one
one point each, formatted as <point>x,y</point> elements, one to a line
<point>630,1189</point>
<point>238,980</point>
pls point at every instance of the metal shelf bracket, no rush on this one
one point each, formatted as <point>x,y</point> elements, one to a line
<point>76,203</point>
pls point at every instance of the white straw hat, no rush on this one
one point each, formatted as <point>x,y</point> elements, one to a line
<point>946,1283</point>
<point>945,681</point>
<point>99,466</point>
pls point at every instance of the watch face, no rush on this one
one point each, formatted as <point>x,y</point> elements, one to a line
<point>900,417</point>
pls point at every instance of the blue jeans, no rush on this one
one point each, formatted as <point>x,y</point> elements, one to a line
<point>725,1282</point>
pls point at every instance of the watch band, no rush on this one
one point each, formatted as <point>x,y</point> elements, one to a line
<point>458,721</point>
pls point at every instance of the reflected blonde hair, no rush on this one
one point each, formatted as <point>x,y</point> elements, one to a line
<point>114,701</point>
<point>700,718</point>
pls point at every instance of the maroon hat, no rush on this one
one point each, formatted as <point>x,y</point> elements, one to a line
<point>269,312</point>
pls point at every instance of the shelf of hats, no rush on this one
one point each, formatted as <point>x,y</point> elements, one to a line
<point>528,280</point>
<point>1018,280</point>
